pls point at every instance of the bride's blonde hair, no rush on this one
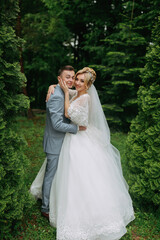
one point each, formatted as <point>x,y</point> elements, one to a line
<point>90,75</point>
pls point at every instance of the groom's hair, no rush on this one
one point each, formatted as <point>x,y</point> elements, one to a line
<point>67,67</point>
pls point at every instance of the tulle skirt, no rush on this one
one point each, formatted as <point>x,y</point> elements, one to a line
<point>89,197</point>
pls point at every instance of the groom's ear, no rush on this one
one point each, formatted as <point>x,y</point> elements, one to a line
<point>59,78</point>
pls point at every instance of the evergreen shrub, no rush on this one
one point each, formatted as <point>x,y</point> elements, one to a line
<point>143,143</point>
<point>14,195</point>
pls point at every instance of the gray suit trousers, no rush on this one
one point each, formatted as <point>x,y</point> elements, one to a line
<point>51,167</point>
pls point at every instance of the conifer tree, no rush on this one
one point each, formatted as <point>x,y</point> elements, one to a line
<point>123,65</point>
<point>123,57</point>
<point>13,193</point>
<point>143,144</point>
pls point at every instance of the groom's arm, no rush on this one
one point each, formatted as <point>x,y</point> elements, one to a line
<point>56,110</point>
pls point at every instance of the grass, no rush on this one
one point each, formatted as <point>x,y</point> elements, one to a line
<point>146,226</point>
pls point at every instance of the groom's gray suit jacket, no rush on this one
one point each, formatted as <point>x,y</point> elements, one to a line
<point>56,123</point>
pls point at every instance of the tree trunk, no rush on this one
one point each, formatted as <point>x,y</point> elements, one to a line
<point>18,33</point>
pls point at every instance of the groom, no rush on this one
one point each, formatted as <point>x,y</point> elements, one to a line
<point>56,127</point>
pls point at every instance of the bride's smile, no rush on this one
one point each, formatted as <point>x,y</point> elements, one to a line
<point>80,84</point>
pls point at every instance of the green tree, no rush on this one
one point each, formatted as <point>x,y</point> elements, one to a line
<point>110,36</point>
<point>122,58</point>
<point>13,192</point>
<point>45,49</point>
<point>143,144</point>
<point>124,61</point>
<point>57,33</point>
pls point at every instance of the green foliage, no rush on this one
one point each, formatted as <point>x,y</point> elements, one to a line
<point>124,58</point>
<point>33,225</point>
<point>13,193</point>
<point>143,152</point>
<point>46,48</point>
<point>123,66</point>
<point>110,36</point>
<point>59,33</point>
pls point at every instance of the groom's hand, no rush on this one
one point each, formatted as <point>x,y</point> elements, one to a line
<point>82,128</point>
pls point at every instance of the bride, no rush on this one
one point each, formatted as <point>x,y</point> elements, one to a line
<point>89,197</point>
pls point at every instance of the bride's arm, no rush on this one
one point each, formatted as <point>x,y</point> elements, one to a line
<point>66,92</point>
<point>50,91</point>
<point>67,104</point>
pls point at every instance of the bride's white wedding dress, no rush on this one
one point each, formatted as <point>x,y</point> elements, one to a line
<point>89,197</point>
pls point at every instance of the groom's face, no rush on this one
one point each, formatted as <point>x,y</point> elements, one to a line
<point>68,77</point>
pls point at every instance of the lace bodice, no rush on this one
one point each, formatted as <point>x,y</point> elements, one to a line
<point>78,110</point>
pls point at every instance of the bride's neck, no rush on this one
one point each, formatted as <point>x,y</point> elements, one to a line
<point>79,93</point>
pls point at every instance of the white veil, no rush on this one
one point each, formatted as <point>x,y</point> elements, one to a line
<point>98,120</point>
<point>96,115</point>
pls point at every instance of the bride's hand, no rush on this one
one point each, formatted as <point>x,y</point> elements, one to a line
<point>50,91</point>
<point>63,85</point>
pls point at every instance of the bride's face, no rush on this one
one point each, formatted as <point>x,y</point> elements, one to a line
<point>80,83</point>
